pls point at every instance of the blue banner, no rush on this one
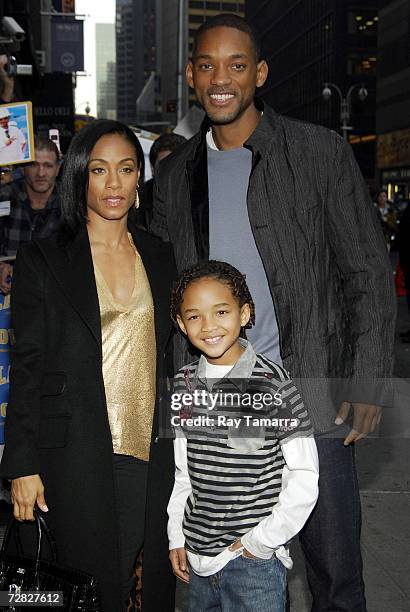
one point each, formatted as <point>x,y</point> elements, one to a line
<point>67,44</point>
<point>5,345</point>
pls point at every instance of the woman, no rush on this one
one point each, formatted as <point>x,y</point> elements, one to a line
<point>90,314</point>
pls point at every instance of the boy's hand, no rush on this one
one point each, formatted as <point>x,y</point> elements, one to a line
<point>178,559</point>
<point>246,553</point>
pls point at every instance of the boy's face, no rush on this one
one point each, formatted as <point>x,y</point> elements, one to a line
<point>212,319</point>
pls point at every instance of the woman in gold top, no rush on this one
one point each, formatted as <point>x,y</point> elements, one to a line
<point>91,322</point>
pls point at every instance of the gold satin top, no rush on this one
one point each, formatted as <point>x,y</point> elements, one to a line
<point>129,363</point>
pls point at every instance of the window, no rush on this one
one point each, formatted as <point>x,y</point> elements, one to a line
<point>361,64</point>
<point>363,22</point>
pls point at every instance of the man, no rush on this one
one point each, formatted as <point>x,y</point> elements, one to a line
<point>162,147</point>
<point>34,205</point>
<point>285,203</point>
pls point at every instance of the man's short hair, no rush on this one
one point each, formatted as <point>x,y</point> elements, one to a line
<point>42,143</point>
<point>166,142</point>
<point>228,20</point>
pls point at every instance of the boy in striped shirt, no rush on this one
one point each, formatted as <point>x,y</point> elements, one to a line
<point>246,475</point>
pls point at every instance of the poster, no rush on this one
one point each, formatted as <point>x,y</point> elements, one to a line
<point>16,133</point>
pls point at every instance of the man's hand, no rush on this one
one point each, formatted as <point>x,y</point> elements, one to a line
<point>178,559</point>
<point>25,492</point>
<point>246,553</point>
<point>6,273</point>
<point>365,420</point>
<point>8,82</point>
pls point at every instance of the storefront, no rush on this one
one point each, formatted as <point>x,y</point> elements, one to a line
<point>393,161</point>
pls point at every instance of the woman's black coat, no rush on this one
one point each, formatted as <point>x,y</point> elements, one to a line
<point>57,422</point>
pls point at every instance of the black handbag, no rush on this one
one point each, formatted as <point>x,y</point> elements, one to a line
<point>18,571</point>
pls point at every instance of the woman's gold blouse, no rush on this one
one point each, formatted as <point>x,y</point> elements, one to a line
<point>129,363</point>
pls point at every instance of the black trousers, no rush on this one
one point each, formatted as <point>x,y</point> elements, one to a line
<point>130,476</point>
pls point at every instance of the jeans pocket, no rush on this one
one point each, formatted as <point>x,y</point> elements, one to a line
<point>258,560</point>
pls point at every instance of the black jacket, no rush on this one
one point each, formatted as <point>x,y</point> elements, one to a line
<point>321,245</point>
<point>57,423</point>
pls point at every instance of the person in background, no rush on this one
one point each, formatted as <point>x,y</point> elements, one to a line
<point>162,147</point>
<point>403,247</point>
<point>387,216</point>
<point>6,82</point>
<point>34,205</point>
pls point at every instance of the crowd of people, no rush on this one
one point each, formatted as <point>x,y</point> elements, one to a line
<point>259,237</point>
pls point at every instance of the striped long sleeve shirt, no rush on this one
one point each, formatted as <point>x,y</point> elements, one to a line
<point>246,462</point>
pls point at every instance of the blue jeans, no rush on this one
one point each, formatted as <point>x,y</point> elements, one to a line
<point>243,585</point>
<point>330,539</point>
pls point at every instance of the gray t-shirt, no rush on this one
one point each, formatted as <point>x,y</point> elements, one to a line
<point>231,239</point>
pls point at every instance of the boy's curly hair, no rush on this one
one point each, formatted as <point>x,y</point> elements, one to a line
<point>218,270</point>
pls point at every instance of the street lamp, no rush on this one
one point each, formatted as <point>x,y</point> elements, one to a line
<point>345,107</point>
<point>87,107</point>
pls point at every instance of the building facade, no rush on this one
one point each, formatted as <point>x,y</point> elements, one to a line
<point>311,42</point>
<point>136,52</point>
<point>393,99</point>
<point>105,70</point>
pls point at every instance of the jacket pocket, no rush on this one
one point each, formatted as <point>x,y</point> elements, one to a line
<point>53,383</point>
<point>54,432</point>
<point>246,438</point>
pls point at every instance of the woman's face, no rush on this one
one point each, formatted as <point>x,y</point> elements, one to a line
<point>113,172</point>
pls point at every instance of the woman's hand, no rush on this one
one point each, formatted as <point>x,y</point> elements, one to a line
<point>25,492</point>
<point>178,559</point>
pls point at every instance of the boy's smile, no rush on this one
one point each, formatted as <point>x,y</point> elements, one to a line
<point>212,319</point>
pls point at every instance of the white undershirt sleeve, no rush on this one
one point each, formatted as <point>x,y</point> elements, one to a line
<point>295,503</point>
<point>180,493</point>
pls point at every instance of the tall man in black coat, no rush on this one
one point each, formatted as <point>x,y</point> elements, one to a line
<point>285,202</point>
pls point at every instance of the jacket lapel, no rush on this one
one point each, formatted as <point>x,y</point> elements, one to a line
<point>197,175</point>
<point>72,266</point>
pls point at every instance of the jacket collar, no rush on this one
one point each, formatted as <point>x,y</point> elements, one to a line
<point>267,130</point>
<point>240,373</point>
<point>73,268</point>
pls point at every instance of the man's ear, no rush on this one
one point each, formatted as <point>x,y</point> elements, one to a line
<point>189,74</point>
<point>181,325</point>
<point>245,314</point>
<point>261,73</point>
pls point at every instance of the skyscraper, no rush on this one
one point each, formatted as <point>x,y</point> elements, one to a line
<point>105,70</point>
<point>393,98</point>
<point>311,42</point>
<point>136,52</point>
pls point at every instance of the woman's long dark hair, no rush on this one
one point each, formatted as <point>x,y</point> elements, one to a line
<point>74,184</point>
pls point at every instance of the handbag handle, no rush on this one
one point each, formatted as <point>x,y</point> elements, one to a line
<point>42,528</point>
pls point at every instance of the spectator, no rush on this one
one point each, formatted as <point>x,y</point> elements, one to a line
<point>34,205</point>
<point>162,147</point>
<point>403,242</point>
<point>387,216</point>
<point>6,82</point>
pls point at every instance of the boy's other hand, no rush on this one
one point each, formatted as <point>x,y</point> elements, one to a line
<point>179,563</point>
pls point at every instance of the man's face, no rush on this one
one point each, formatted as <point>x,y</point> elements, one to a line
<point>41,175</point>
<point>225,74</point>
<point>4,122</point>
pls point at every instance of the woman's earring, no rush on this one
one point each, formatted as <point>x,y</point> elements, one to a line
<point>137,199</point>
